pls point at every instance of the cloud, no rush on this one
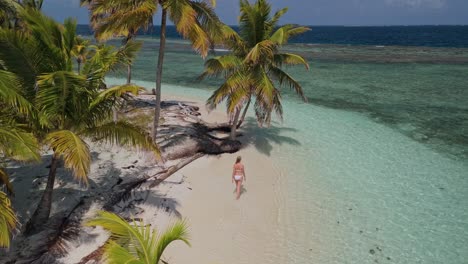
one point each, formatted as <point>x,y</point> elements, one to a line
<point>418,3</point>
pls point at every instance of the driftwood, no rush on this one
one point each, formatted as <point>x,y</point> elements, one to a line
<point>123,191</point>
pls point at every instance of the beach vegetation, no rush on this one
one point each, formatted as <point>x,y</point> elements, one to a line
<point>254,67</point>
<point>16,144</point>
<point>10,11</point>
<point>67,107</point>
<point>194,20</point>
<point>137,242</point>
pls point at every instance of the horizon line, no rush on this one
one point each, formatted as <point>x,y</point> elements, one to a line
<point>415,25</point>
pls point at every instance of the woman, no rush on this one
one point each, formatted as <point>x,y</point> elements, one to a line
<point>238,175</point>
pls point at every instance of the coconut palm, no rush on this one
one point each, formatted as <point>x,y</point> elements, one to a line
<point>193,19</point>
<point>80,52</point>
<point>15,143</point>
<point>69,107</point>
<point>136,242</point>
<point>97,16</point>
<point>254,67</point>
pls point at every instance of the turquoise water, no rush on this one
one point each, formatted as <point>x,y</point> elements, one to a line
<point>375,167</point>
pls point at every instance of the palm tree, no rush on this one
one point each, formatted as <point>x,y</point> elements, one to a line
<point>80,52</point>
<point>15,143</point>
<point>69,107</point>
<point>136,242</point>
<point>253,68</point>
<point>193,19</point>
<point>96,18</point>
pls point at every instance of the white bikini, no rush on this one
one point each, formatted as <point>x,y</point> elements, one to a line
<point>238,177</point>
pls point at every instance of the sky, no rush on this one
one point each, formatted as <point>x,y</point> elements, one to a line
<point>323,12</point>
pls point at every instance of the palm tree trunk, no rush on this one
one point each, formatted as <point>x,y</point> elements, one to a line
<point>234,125</point>
<point>129,74</point>
<point>162,44</point>
<point>244,113</point>
<point>129,66</point>
<point>42,213</point>
<point>79,67</point>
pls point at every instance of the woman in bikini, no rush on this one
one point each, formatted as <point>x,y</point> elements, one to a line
<point>238,175</point>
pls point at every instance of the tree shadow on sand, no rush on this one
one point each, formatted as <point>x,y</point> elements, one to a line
<point>262,138</point>
<point>130,208</point>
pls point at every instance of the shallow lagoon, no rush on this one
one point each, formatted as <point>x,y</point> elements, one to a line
<point>375,167</point>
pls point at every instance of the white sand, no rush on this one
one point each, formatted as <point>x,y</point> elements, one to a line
<point>223,229</point>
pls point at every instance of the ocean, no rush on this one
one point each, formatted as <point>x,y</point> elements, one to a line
<point>374,169</point>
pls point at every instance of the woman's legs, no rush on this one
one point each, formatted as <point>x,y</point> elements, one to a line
<point>238,189</point>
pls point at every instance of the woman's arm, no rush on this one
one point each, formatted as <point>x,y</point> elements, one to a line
<point>243,170</point>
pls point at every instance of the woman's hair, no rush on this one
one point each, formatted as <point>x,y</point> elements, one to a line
<point>239,158</point>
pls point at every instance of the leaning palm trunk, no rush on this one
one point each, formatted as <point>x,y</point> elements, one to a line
<point>41,215</point>
<point>234,125</point>
<point>129,37</point>
<point>245,112</point>
<point>162,44</point>
<point>129,73</point>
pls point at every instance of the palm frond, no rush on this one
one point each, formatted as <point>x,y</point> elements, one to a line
<point>208,20</point>
<point>62,96</point>
<point>114,253</point>
<point>120,18</point>
<point>20,56</point>
<point>284,33</point>
<point>73,150</point>
<point>129,51</point>
<point>289,59</point>
<point>124,134</point>
<point>10,93</point>
<point>50,38</point>
<point>116,92</point>
<point>236,87</point>
<point>286,80</point>
<point>18,144</point>
<point>221,65</point>
<point>177,232</point>
<point>262,50</point>
<point>193,21</point>
<point>8,220</point>
<point>143,245</point>
<point>264,89</point>
<point>274,20</point>
<point>5,180</point>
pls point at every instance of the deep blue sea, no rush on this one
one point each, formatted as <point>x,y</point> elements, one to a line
<point>429,36</point>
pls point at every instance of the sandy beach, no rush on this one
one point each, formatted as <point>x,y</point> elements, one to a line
<point>222,229</point>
